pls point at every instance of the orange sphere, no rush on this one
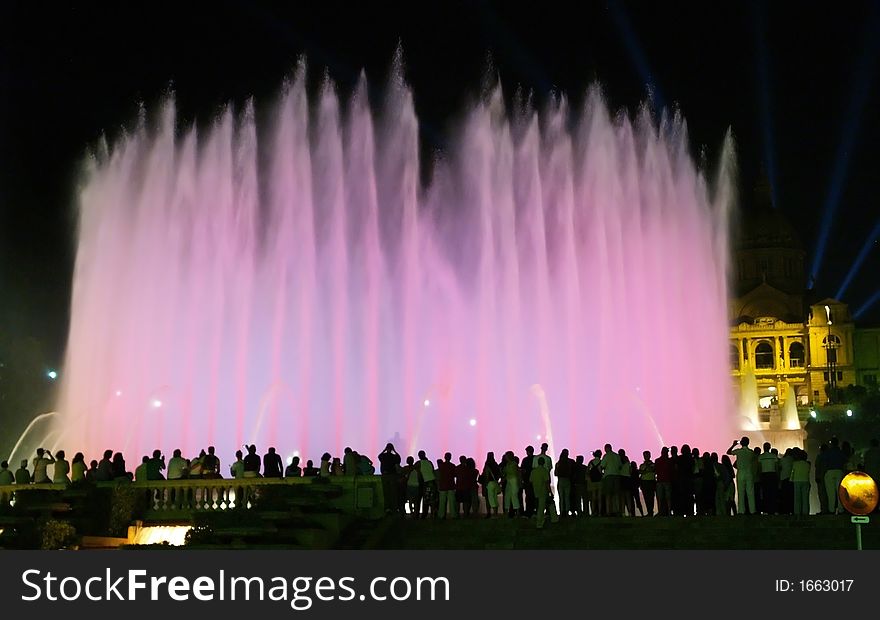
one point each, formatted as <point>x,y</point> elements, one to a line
<point>858,493</point>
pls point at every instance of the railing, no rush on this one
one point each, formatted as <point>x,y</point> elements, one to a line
<point>355,494</point>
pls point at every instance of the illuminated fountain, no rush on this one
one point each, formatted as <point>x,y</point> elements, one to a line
<point>291,283</point>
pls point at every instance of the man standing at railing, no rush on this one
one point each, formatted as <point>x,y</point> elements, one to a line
<point>211,465</point>
<point>272,466</point>
<point>252,462</point>
<point>41,461</point>
<point>236,470</point>
<point>389,467</point>
<point>22,475</point>
<point>155,466</point>
<point>6,476</point>
<point>177,466</point>
<point>177,470</point>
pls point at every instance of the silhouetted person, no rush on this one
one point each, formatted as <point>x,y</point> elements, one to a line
<point>350,462</point>
<point>78,468</point>
<point>117,468</point>
<point>579,486</point>
<point>465,485</point>
<point>446,487</point>
<point>177,467</point>
<point>675,495</point>
<point>92,473</point>
<point>745,475</point>
<point>543,493</point>
<point>511,476</point>
<point>61,470</point>
<point>156,466</point>
<point>293,470</point>
<point>648,482</point>
<point>769,466</point>
<point>141,472</point>
<point>611,478</point>
<point>43,459</point>
<point>819,478</point>
<point>105,467</point>
<point>526,467</point>
<point>489,478</point>
<point>22,475</point>
<point>6,476</point>
<point>634,488</point>
<point>800,477</point>
<point>252,462</point>
<point>594,483</point>
<point>835,464</point>
<point>430,498</point>
<point>413,486</point>
<point>211,464</point>
<point>563,482</point>
<point>706,498</point>
<point>326,461</point>
<point>194,466</point>
<point>726,503</point>
<point>548,462</point>
<point>389,466</point>
<point>663,469</point>
<point>786,488</point>
<point>684,479</point>
<point>310,470</point>
<point>236,470</point>
<point>272,465</point>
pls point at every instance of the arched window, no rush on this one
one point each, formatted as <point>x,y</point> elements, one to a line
<point>764,355</point>
<point>832,348</point>
<point>796,355</point>
<point>734,357</point>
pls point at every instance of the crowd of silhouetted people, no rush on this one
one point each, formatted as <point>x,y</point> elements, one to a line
<point>681,481</point>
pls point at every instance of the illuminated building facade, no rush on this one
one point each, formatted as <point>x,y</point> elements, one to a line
<point>781,347</point>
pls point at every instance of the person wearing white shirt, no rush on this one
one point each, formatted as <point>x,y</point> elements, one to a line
<point>611,481</point>
<point>62,468</point>
<point>43,459</point>
<point>745,476</point>
<point>177,466</point>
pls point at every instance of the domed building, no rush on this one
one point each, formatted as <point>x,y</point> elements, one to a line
<point>782,348</point>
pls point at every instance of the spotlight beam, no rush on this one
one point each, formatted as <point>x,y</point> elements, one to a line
<point>861,88</point>
<point>873,236</point>
<point>637,54</point>
<point>865,306</point>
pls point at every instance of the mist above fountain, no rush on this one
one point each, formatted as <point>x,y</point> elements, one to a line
<point>291,283</point>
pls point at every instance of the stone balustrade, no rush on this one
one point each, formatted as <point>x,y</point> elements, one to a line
<point>173,499</point>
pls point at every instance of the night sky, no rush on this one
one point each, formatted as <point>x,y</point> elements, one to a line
<point>797,84</point>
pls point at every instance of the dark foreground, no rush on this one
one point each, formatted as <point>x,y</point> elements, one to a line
<point>759,532</point>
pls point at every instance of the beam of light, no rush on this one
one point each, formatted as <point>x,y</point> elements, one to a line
<point>873,299</point>
<point>508,42</point>
<point>27,430</point>
<point>763,74</point>
<point>637,54</point>
<point>863,78</point>
<point>873,236</point>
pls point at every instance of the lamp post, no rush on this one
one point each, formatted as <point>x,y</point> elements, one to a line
<point>831,357</point>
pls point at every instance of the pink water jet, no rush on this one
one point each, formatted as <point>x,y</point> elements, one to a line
<point>291,283</point>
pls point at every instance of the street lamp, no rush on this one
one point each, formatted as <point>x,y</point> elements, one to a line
<point>831,357</point>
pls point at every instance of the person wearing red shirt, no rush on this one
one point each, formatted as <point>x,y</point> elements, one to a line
<point>663,470</point>
<point>446,486</point>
